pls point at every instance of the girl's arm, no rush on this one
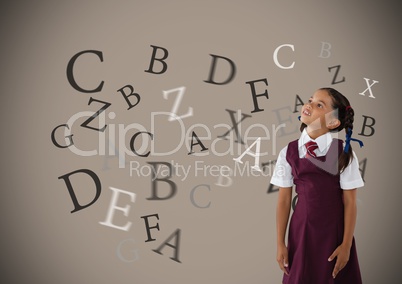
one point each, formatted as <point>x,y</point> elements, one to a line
<point>343,251</point>
<point>349,200</point>
<point>282,217</point>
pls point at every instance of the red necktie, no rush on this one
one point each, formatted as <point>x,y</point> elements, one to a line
<point>310,147</point>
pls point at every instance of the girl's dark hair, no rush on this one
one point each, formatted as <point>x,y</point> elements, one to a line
<point>346,117</point>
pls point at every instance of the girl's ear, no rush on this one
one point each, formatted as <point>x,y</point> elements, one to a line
<point>333,123</point>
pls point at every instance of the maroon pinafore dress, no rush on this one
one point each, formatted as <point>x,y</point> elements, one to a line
<point>317,223</point>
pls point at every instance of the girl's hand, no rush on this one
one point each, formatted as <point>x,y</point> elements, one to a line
<point>342,254</point>
<point>282,258</point>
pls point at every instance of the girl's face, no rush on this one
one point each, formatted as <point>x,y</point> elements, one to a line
<point>318,113</point>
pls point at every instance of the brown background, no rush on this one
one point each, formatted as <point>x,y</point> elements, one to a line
<point>232,241</point>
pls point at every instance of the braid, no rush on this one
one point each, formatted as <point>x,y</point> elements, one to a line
<point>346,158</point>
<point>349,118</point>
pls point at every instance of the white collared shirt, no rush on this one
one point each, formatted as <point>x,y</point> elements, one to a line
<point>350,178</point>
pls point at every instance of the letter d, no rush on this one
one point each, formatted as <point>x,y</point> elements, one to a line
<point>213,67</point>
<point>94,177</point>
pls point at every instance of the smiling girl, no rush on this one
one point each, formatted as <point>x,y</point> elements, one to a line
<point>321,247</point>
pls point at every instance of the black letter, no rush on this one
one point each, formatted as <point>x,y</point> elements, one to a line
<point>370,126</point>
<point>363,168</point>
<point>96,114</point>
<point>231,112</point>
<point>271,188</point>
<point>254,95</point>
<point>294,201</point>
<point>148,228</point>
<point>336,74</point>
<point>198,143</point>
<point>132,143</point>
<point>166,53</point>
<point>154,181</point>
<point>130,105</point>
<point>212,71</point>
<point>296,104</point>
<point>95,178</point>
<point>175,234</point>
<point>70,75</point>
<point>69,137</point>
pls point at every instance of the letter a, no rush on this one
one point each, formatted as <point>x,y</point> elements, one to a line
<point>198,143</point>
<point>256,155</point>
<point>176,235</point>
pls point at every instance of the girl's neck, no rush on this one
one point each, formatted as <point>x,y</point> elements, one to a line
<point>315,133</point>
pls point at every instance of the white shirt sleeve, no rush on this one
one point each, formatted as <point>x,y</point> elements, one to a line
<point>351,178</point>
<point>282,176</point>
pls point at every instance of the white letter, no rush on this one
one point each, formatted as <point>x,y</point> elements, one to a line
<point>256,155</point>
<point>180,93</point>
<point>325,46</point>
<point>222,175</point>
<point>276,56</point>
<point>369,88</point>
<point>136,168</point>
<point>112,207</point>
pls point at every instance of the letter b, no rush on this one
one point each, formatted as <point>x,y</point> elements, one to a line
<point>365,125</point>
<point>161,60</point>
<point>155,179</point>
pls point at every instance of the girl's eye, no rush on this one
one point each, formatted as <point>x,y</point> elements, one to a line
<point>319,105</point>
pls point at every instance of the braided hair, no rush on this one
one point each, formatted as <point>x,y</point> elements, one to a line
<point>346,118</point>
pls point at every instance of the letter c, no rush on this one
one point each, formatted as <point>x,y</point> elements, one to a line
<point>70,75</point>
<point>192,196</point>
<point>275,56</point>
